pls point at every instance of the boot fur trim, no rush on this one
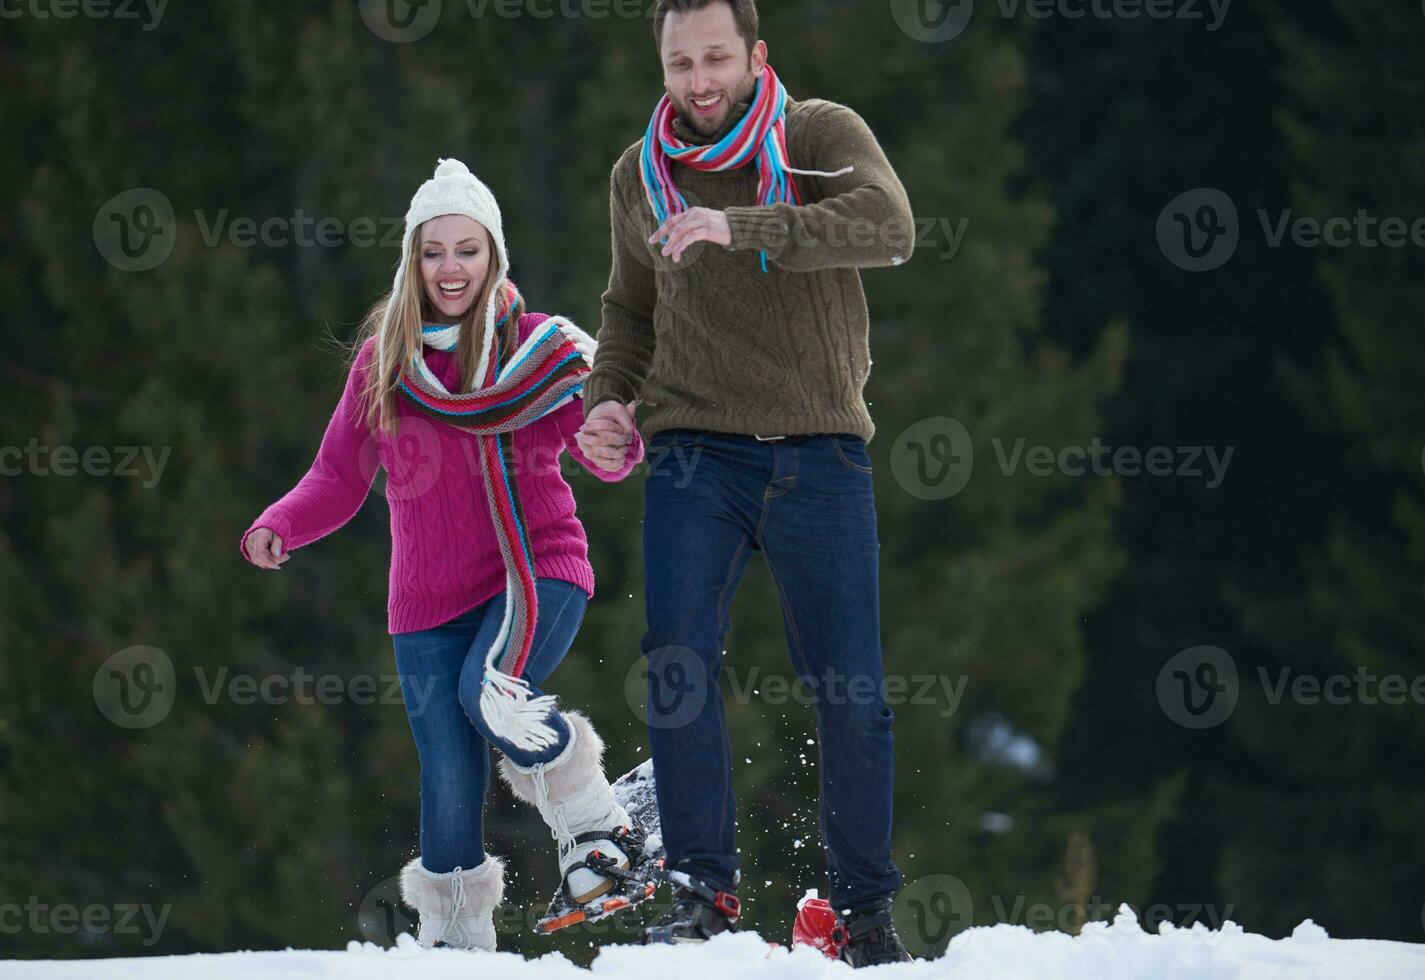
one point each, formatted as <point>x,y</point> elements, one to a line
<point>430,894</point>
<point>569,772</point>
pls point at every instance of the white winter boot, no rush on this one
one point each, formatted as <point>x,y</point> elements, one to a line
<point>457,908</point>
<point>577,803</point>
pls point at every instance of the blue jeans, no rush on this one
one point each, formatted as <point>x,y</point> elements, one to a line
<point>441,669</point>
<point>711,499</point>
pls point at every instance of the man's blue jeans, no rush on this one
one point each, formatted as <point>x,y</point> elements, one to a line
<point>441,669</point>
<point>711,499</point>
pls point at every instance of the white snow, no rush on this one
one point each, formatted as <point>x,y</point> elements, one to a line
<point>1004,952</point>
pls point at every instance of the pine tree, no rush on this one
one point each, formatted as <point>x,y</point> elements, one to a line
<point>1344,776</point>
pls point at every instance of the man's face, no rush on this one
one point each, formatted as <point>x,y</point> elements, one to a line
<point>707,69</point>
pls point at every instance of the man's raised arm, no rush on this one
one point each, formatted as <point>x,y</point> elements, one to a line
<point>865,220</point>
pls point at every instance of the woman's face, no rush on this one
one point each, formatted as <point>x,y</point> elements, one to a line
<point>455,256</point>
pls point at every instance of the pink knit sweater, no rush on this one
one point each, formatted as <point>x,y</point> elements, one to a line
<point>445,558</point>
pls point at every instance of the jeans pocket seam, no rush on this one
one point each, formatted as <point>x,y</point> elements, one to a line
<point>848,463</point>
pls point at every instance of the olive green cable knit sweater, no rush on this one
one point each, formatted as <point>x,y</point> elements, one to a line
<point>713,342</point>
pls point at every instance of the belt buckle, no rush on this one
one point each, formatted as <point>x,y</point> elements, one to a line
<point>767,438</point>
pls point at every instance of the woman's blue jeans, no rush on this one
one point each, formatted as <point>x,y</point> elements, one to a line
<point>441,670</point>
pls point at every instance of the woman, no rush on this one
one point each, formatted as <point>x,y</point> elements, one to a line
<point>467,401</point>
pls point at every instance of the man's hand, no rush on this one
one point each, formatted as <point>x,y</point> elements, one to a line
<point>607,433</point>
<point>693,225</point>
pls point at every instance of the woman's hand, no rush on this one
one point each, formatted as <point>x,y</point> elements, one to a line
<point>606,434</point>
<point>264,548</point>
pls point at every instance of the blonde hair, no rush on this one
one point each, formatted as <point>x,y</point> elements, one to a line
<point>401,341</point>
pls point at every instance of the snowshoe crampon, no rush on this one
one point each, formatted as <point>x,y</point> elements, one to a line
<point>642,842</point>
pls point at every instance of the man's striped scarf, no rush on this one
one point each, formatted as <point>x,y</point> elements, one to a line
<point>540,375</point>
<point>761,134</point>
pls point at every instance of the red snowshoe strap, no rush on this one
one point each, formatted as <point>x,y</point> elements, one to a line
<point>725,902</point>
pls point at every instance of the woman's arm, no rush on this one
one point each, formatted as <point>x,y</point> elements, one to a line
<point>334,489</point>
<point>569,418</point>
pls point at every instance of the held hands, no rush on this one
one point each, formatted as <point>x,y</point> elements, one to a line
<point>264,549</point>
<point>693,225</point>
<point>607,433</point>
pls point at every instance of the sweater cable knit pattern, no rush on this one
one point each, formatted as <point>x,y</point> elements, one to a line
<point>445,557</point>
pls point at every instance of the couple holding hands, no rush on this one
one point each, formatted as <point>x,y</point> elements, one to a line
<point>741,328</point>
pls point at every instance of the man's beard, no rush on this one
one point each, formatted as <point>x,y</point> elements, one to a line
<point>743,93</point>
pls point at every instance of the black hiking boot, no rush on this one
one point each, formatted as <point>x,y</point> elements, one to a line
<point>868,937</point>
<point>698,912</point>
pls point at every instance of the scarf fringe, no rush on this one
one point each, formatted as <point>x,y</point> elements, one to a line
<point>821,173</point>
<point>514,713</point>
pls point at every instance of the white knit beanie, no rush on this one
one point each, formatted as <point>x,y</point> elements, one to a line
<point>455,190</point>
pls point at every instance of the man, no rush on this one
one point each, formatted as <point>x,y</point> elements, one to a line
<point>741,325</point>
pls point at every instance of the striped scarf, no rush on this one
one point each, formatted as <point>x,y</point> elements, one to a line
<point>761,134</point>
<point>543,373</point>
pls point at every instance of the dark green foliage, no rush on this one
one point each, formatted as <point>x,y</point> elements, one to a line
<point>1048,603</point>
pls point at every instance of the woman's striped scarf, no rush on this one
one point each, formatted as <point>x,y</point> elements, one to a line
<point>761,134</point>
<point>540,375</point>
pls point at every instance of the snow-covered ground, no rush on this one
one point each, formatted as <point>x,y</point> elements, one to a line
<point>1118,950</point>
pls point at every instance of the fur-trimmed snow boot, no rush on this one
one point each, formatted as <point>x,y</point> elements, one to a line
<point>456,908</point>
<point>577,803</point>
